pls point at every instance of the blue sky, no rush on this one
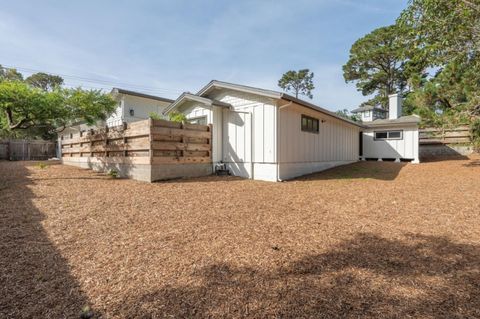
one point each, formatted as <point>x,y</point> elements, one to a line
<point>167,47</point>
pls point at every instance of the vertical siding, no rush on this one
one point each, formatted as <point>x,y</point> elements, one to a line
<point>335,141</point>
<point>263,113</point>
<point>406,148</point>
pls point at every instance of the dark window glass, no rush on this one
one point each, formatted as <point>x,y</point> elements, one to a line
<point>387,135</point>
<point>381,135</point>
<point>395,134</point>
<point>309,124</point>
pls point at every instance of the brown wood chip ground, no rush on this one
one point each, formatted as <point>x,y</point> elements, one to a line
<point>380,240</point>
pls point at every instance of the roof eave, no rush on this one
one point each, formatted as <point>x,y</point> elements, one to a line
<point>314,107</point>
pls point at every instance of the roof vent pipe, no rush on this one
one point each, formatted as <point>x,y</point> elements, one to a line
<point>394,106</point>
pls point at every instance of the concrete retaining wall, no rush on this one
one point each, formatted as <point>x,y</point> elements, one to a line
<point>442,150</point>
<point>143,172</point>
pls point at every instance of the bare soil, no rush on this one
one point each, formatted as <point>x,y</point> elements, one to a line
<point>380,240</point>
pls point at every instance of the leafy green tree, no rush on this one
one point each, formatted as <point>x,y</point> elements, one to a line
<point>23,107</point>
<point>448,33</point>
<point>381,64</point>
<point>444,29</point>
<point>44,81</point>
<point>7,74</point>
<point>346,114</point>
<point>300,82</point>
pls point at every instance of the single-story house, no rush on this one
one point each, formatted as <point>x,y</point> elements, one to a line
<point>273,136</point>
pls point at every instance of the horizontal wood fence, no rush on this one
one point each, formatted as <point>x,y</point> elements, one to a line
<point>143,142</point>
<point>457,135</point>
<point>26,150</point>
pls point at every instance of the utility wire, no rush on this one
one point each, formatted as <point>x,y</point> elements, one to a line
<point>100,81</point>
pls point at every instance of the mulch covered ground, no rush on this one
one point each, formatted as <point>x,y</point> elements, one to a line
<point>380,240</point>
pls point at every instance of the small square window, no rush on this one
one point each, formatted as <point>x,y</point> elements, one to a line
<point>132,112</point>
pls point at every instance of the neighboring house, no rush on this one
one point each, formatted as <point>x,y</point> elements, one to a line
<point>395,137</point>
<point>370,113</point>
<point>132,106</point>
<point>269,135</point>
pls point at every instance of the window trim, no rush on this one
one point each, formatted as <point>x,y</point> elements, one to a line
<point>198,118</point>
<point>315,129</point>
<point>388,135</point>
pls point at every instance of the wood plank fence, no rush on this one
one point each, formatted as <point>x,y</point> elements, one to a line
<point>143,142</point>
<point>26,150</point>
<point>457,135</point>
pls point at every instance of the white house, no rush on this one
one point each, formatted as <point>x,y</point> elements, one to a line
<point>269,135</point>
<point>370,113</point>
<point>395,138</point>
<point>132,106</point>
<point>135,106</point>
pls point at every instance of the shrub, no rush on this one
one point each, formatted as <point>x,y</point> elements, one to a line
<point>175,116</point>
<point>113,173</point>
<point>155,116</point>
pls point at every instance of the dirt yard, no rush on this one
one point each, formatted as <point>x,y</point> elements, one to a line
<point>381,240</point>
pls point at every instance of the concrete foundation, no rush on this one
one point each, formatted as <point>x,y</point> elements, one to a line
<point>143,172</point>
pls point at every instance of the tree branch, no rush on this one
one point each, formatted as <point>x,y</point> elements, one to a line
<point>11,125</point>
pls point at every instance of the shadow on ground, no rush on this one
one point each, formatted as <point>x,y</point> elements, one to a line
<point>387,171</point>
<point>35,279</point>
<point>367,276</point>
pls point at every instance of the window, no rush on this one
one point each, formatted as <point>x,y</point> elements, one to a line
<point>132,112</point>
<point>310,124</point>
<point>198,120</point>
<point>389,135</point>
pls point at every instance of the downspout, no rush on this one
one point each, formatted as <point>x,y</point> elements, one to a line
<point>277,137</point>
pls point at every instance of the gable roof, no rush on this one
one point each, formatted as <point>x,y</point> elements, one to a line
<point>368,108</point>
<point>408,119</point>
<point>147,96</point>
<point>271,94</point>
<point>186,96</point>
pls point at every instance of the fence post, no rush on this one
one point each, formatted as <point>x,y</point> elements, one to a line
<point>106,141</point>
<point>150,140</point>
<point>8,150</point>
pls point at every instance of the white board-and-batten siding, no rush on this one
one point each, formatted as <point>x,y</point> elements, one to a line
<point>404,148</point>
<point>301,153</point>
<point>244,135</point>
<point>258,139</point>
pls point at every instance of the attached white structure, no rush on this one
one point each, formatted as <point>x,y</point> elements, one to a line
<point>135,106</point>
<point>269,135</point>
<point>394,138</point>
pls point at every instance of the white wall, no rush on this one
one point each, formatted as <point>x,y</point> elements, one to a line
<point>258,147</point>
<point>405,148</point>
<point>300,153</point>
<point>142,108</point>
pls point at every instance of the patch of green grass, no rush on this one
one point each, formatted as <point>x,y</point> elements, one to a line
<point>41,165</point>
